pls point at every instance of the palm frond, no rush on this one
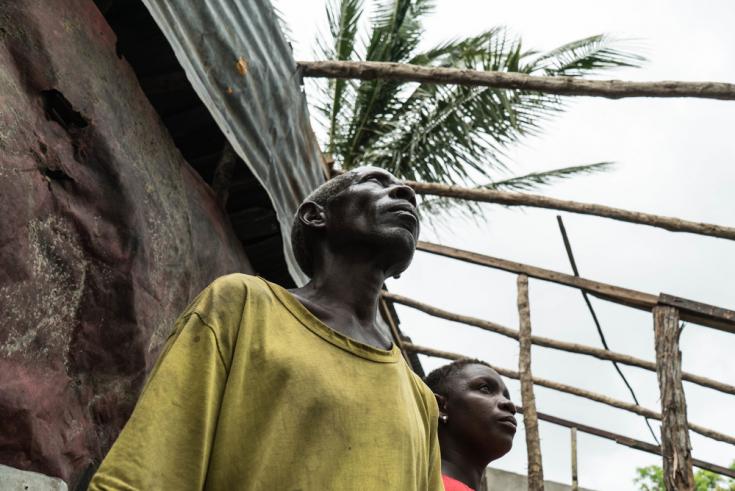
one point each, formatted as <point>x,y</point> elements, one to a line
<point>534,180</point>
<point>343,17</point>
<point>587,56</point>
<point>396,32</point>
<point>445,133</point>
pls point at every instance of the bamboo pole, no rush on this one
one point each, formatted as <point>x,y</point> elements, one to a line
<point>581,349</point>
<point>576,391</point>
<point>571,86</point>
<point>530,420</point>
<point>716,318</point>
<point>575,480</point>
<point>539,201</point>
<point>677,454</point>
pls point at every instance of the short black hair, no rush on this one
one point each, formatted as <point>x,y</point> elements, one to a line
<point>302,237</point>
<point>439,380</point>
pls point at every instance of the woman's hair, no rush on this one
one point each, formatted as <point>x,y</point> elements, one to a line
<point>439,379</point>
<point>301,236</point>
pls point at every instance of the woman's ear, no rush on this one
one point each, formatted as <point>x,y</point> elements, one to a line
<point>311,214</point>
<point>441,401</point>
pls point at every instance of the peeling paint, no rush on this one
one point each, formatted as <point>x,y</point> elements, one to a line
<point>241,66</point>
<point>57,261</point>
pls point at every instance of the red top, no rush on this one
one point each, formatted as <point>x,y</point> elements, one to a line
<point>451,484</point>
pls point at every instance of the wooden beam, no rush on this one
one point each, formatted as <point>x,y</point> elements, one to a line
<point>627,441</point>
<point>624,296</point>
<point>631,298</point>
<point>575,479</point>
<point>677,450</point>
<point>697,312</point>
<point>581,349</point>
<point>576,391</point>
<point>570,86</point>
<point>538,201</point>
<point>530,421</point>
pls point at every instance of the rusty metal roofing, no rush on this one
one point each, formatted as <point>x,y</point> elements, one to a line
<point>241,67</point>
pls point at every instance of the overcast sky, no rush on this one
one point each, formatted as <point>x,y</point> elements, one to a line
<point>674,157</point>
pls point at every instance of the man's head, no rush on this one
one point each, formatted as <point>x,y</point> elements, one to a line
<point>365,210</point>
<point>475,411</point>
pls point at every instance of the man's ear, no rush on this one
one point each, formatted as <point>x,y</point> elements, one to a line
<point>312,215</point>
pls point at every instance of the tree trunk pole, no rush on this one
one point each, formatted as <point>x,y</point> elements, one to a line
<point>510,198</point>
<point>570,86</point>
<point>575,480</point>
<point>676,449</point>
<point>530,419</point>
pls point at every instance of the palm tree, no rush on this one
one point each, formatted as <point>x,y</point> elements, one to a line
<point>442,133</point>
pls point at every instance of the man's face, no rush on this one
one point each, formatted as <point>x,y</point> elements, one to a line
<point>480,413</point>
<point>379,212</point>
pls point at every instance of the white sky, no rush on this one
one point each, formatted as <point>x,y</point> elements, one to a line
<point>675,157</point>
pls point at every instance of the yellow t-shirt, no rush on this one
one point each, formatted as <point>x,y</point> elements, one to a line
<point>252,392</point>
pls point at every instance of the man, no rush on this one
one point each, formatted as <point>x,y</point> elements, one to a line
<point>262,388</point>
<point>476,421</point>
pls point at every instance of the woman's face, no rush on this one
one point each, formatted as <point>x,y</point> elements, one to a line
<point>480,415</point>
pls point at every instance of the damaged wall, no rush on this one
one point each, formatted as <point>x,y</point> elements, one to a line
<point>106,234</point>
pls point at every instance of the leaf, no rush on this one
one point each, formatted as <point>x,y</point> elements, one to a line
<point>534,180</point>
<point>587,56</point>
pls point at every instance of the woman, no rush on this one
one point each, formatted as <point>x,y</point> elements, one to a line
<point>476,421</point>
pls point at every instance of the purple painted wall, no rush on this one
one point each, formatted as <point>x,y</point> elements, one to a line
<point>106,234</point>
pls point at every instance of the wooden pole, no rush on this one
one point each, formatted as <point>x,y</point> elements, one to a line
<point>627,441</point>
<point>572,86</point>
<point>677,454</point>
<point>575,480</point>
<point>714,317</point>
<point>538,201</point>
<point>530,420</point>
<point>553,343</point>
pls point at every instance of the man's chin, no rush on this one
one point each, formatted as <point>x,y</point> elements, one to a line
<point>401,255</point>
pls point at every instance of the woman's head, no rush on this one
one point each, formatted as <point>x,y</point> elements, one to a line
<point>476,415</point>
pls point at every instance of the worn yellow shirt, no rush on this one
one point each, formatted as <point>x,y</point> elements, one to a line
<point>252,392</point>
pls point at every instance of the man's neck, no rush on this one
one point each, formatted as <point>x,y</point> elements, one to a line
<point>344,293</point>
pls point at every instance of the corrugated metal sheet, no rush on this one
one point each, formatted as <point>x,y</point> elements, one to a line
<point>241,66</point>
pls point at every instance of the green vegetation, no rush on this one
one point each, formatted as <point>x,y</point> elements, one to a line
<point>651,478</point>
<point>443,133</point>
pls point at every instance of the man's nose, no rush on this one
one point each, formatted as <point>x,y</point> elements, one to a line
<point>401,191</point>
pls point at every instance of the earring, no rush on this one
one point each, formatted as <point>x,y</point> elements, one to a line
<point>444,418</point>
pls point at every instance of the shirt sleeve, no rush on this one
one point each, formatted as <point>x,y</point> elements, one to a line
<point>168,439</point>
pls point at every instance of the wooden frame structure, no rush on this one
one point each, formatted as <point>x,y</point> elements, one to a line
<point>667,310</point>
